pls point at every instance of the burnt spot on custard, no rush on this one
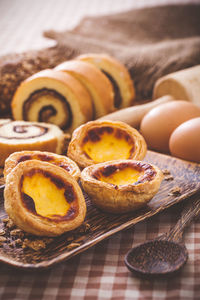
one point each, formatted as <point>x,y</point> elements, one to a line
<point>132,150</point>
<point>109,170</point>
<point>148,171</point>
<point>122,134</point>
<point>48,158</point>
<point>24,158</point>
<point>95,134</point>
<point>66,167</point>
<point>44,157</point>
<point>29,203</point>
<point>71,213</point>
<point>117,94</point>
<point>48,111</point>
<point>69,194</point>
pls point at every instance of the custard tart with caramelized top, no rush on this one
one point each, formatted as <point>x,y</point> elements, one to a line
<point>100,141</point>
<point>59,160</point>
<point>43,199</point>
<point>121,186</point>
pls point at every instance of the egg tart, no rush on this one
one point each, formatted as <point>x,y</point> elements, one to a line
<point>117,73</point>
<point>99,141</point>
<point>96,83</point>
<point>54,97</point>
<point>121,186</point>
<point>59,160</point>
<point>43,199</point>
<point>22,135</point>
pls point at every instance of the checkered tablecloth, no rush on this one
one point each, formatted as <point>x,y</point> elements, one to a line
<point>98,273</point>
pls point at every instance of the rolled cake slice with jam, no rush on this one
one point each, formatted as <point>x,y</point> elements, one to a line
<point>121,186</point>
<point>58,160</point>
<point>100,141</point>
<point>97,84</point>
<point>43,199</point>
<point>117,73</point>
<point>53,97</point>
<point>22,135</point>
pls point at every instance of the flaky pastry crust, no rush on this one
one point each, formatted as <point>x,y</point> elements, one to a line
<point>59,160</point>
<point>22,209</point>
<point>98,182</point>
<point>94,130</point>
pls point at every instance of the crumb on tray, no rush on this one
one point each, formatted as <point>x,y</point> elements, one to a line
<point>12,236</point>
<point>175,191</point>
<point>72,246</point>
<point>169,177</point>
<point>166,172</point>
<point>34,245</point>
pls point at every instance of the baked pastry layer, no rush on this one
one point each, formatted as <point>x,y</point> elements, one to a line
<point>99,141</point>
<point>43,199</point>
<point>97,84</point>
<point>121,186</point>
<point>123,86</point>
<point>53,97</point>
<point>22,135</point>
<point>59,160</point>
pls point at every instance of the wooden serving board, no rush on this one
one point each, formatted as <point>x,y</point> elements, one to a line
<point>186,176</point>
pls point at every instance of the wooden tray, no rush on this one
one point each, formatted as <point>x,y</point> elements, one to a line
<point>186,175</point>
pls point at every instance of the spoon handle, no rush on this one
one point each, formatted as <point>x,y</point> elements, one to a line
<point>191,210</point>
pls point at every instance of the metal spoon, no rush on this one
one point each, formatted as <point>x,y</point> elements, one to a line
<point>166,254</point>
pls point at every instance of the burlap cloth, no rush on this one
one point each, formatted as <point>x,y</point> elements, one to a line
<point>151,42</point>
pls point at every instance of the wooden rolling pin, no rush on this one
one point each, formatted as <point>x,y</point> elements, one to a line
<point>181,85</point>
<point>134,114</point>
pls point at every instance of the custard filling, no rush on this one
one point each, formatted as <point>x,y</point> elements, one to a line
<point>49,200</point>
<point>108,147</point>
<point>122,177</point>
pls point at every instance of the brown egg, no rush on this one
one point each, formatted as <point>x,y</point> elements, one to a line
<point>158,124</point>
<point>185,140</point>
